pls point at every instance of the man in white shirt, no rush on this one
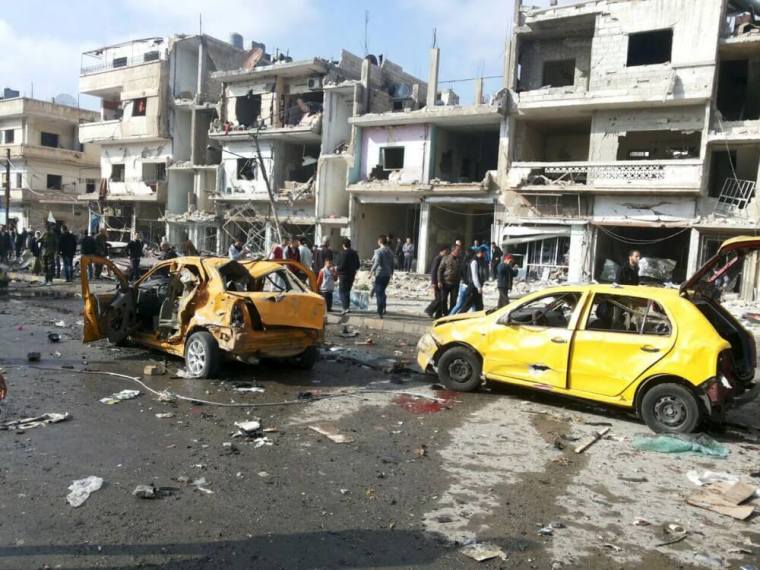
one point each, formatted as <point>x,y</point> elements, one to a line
<point>305,253</point>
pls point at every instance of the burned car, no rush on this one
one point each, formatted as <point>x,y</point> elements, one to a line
<point>207,308</point>
<point>675,357</point>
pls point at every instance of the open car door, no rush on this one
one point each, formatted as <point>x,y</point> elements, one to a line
<point>108,315</point>
<point>722,268</point>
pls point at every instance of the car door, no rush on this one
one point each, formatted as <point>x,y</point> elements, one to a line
<point>284,300</point>
<point>531,343</point>
<point>622,337</point>
<point>109,315</point>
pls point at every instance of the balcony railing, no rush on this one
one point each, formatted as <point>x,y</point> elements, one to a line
<point>609,176</point>
<point>119,62</point>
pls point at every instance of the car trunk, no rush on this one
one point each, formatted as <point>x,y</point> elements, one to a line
<point>705,288</point>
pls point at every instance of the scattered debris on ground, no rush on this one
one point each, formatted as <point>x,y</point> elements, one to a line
<point>37,421</point>
<point>588,443</point>
<point>120,397</point>
<point>154,370</point>
<point>145,492</point>
<point>482,551</point>
<point>731,499</point>
<point>81,489</point>
<point>680,443</point>
<point>331,433</point>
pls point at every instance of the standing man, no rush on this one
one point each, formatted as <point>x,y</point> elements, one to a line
<point>135,253</point>
<point>347,268</point>
<point>49,251</point>
<point>89,247</point>
<point>292,251</point>
<point>101,249</point>
<point>5,245</point>
<point>21,242</point>
<point>449,276</point>
<point>496,255</point>
<point>57,232</point>
<point>477,273</point>
<point>408,252</point>
<point>305,253</point>
<point>326,283</point>
<point>435,309</point>
<point>236,250</point>
<point>628,274</point>
<point>67,247</point>
<point>505,275</point>
<point>383,262</point>
<point>321,254</point>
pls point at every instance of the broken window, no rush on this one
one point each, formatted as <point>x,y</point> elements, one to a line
<point>151,56</point>
<point>618,313</point>
<point>739,90</point>
<point>119,62</point>
<point>551,311</point>
<point>246,169</point>
<point>248,109</point>
<point>117,173</point>
<point>8,136</point>
<point>649,48</point>
<point>49,139</point>
<point>559,73</point>
<point>139,107</point>
<point>392,157</point>
<point>296,108</point>
<point>659,145</point>
<point>154,171</point>
<point>54,182</point>
<point>90,185</point>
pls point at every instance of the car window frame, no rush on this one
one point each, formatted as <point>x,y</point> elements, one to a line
<point>503,318</point>
<point>588,314</point>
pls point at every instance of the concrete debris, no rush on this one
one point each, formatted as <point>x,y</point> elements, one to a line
<point>331,433</point>
<point>154,370</point>
<point>33,356</point>
<point>81,489</point>
<point>29,423</point>
<point>120,397</point>
<point>54,337</point>
<point>250,389</point>
<point>145,492</point>
<point>262,441</point>
<point>60,324</point>
<point>726,499</point>
<point>482,551</point>
<point>201,485</point>
<point>248,427</point>
<point>165,415</point>
<point>641,522</point>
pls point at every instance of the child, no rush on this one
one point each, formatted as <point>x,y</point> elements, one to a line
<point>326,282</point>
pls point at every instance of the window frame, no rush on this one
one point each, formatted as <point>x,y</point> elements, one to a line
<point>43,135</point>
<point>58,186</point>
<point>505,319</point>
<point>640,329</point>
<point>642,34</point>
<point>384,149</point>
<point>136,112</point>
<point>557,64</point>
<point>6,138</point>
<point>122,168</point>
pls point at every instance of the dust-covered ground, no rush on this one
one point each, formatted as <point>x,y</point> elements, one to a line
<point>417,478</point>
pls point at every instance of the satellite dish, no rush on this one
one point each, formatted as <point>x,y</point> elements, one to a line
<point>66,99</point>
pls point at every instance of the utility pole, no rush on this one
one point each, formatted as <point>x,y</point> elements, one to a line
<point>264,174</point>
<point>7,187</point>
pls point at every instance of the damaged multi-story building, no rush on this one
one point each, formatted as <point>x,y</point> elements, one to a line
<point>426,168</point>
<point>49,167</point>
<point>631,124</point>
<point>284,137</point>
<point>158,100</point>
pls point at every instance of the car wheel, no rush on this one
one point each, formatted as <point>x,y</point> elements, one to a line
<point>308,358</point>
<point>201,355</point>
<point>670,408</point>
<point>459,369</point>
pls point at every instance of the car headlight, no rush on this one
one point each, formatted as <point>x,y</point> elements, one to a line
<point>426,343</point>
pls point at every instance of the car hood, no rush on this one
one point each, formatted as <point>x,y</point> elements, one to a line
<point>463,317</point>
<point>707,276</point>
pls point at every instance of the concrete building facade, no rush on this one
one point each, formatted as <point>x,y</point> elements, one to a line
<point>631,124</point>
<point>158,99</point>
<point>284,128</point>
<point>49,166</point>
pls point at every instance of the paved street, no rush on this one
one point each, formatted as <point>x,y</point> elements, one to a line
<point>418,477</point>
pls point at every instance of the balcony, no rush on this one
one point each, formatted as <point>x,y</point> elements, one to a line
<point>435,187</point>
<point>144,128</point>
<point>100,131</point>
<point>661,176</point>
<point>130,191</point>
<point>52,154</point>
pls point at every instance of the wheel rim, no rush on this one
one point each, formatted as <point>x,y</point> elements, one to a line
<point>460,370</point>
<point>670,411</point>
<point>196,357</point>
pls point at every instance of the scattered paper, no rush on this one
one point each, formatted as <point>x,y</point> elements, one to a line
<point>81,489</point>
<point>482,551</point>
<point>120,396</point>
<point>332,434</point>
<point>725,499</point>
<point>29,423</point>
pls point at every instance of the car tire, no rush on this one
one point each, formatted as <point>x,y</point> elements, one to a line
<point>670,408</point>
<point>201,355</point>
<point>307,359</point>
<point>459,369</point>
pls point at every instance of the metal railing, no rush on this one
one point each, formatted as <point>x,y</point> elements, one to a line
<point>119,62</point>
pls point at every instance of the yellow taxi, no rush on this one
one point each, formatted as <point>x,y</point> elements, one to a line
<point>675,356</point>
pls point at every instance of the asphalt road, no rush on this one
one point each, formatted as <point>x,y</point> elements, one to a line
<point>418,479</point>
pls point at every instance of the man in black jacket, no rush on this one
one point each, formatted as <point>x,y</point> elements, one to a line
<point>435,310</point>
<point>347,268</point>
<point>505,275</point>
<point>89,247</point>
<point>628,273</point>
<point>67,247</point>
<point>135,252</point>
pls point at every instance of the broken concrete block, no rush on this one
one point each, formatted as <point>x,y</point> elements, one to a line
<point>154,370</point>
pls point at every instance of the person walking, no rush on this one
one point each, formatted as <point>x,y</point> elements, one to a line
<point>465,280</point>
<point>49,251</point>
<point>477,274</point>
<point>236,250</point>
<point>5,245</point>
<point>449,276</point>
<point>407,251</point>
<point>435,309</point>
<point>67,247</point>
<point>58,233</point>
<point>101,250</point>
<point>89,247</point>
<point>496,255</point>
<point>21,240</point>
<point>35,246</point>
<point>505,275</point>
<point>321,254</point>
<point>326,283</point>
<point>628,274</point>
<point>135,253</point>
<point>383,262</point>
<point>347,268</point>
<point>304,252</point>
<point>292,251</point>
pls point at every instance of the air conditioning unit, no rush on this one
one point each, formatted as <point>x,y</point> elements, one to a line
<point>314,83</point>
